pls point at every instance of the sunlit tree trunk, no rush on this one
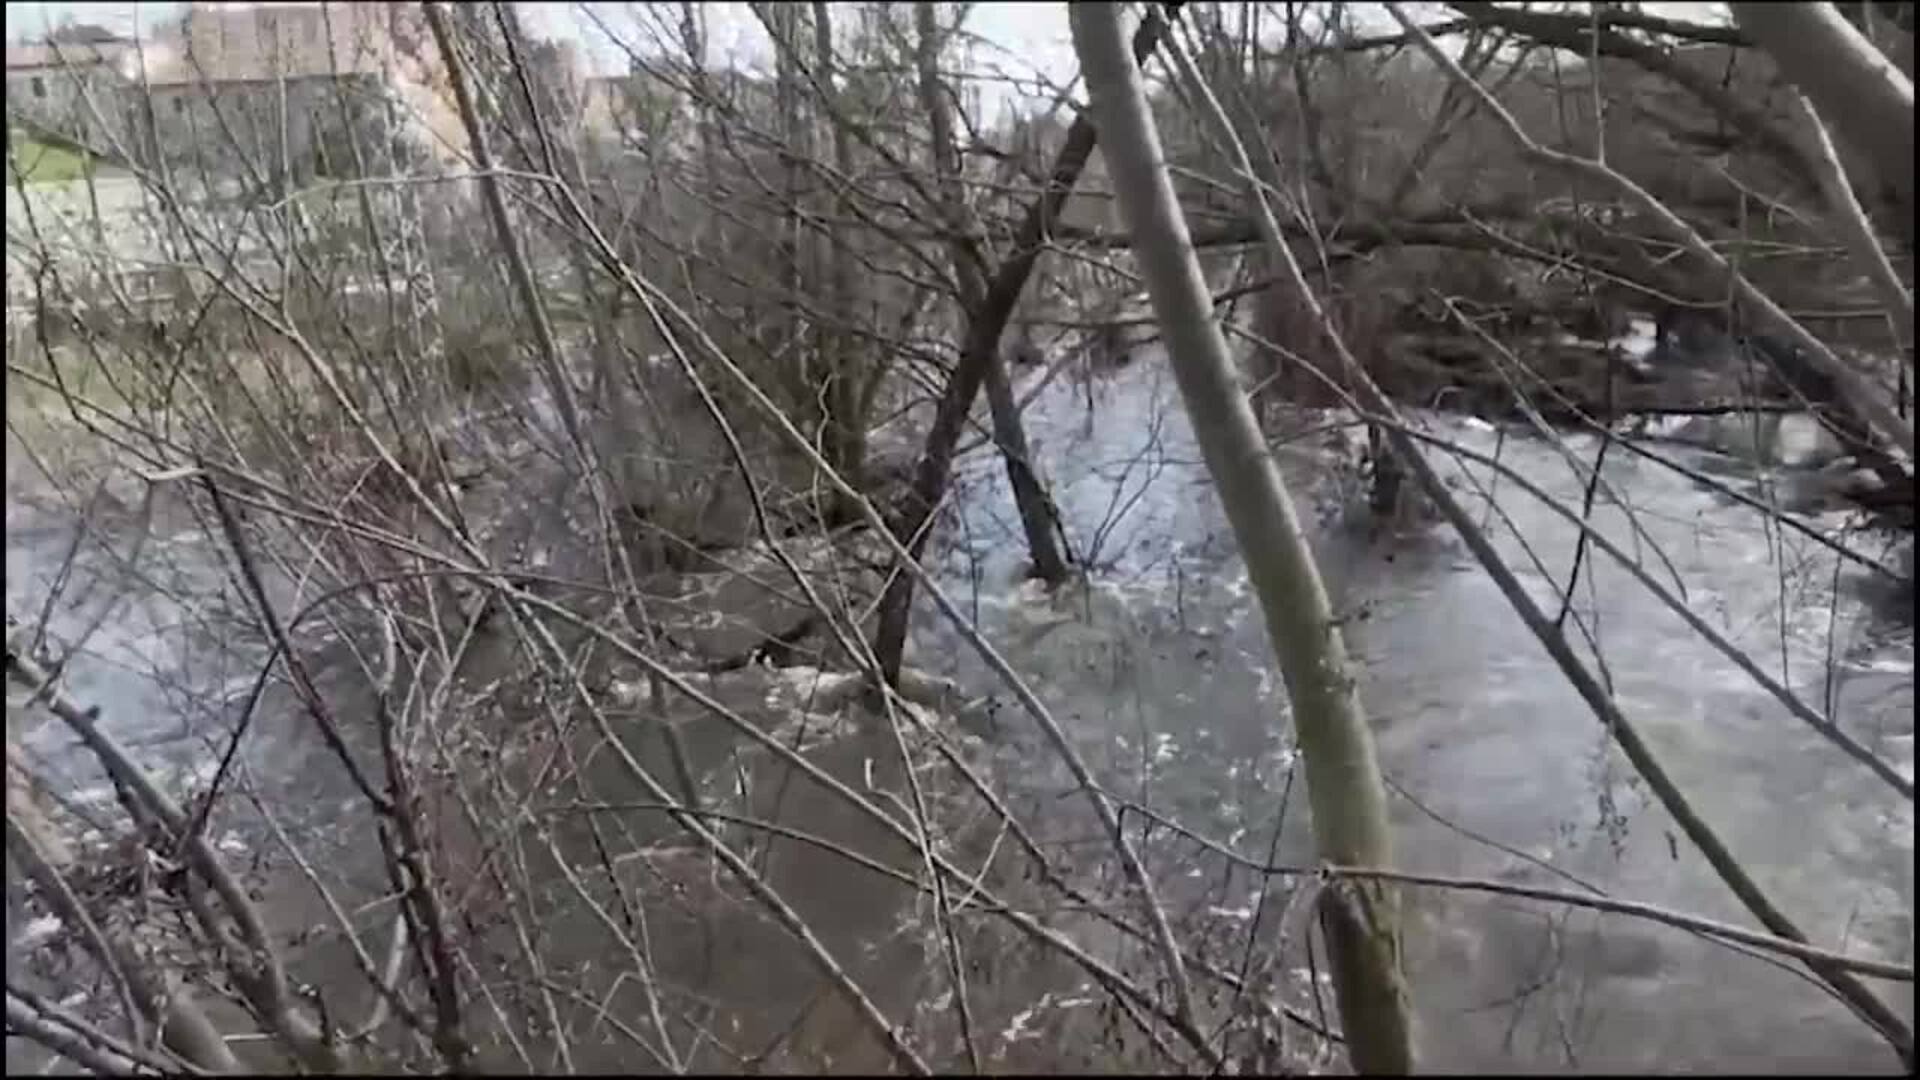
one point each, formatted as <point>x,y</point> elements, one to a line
<point>1343,780</point>
<point>1855,87</point>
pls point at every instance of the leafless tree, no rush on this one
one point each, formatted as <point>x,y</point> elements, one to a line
<point>551,468</point>
<point>1349,800</point>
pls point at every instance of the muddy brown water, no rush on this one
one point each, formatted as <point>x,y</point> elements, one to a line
<point>1160,672</point>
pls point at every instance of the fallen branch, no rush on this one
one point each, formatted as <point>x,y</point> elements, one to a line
<point>1577,33</point>
<point>90,1052</point>
<point>1851,220</point>
<point>1860,395</point>
<point>1799,950</point>
<point>183,1026</point>
<point>1853,84</point>
<point>251,958</point>
<point>1593,901</point>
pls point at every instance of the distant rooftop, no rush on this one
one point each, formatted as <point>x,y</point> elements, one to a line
<point>64,54</point>
<point>84,34</point>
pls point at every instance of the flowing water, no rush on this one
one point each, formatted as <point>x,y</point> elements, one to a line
<point>1161,673</point>
<point>1474,723</point>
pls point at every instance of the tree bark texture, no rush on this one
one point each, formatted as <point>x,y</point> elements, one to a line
<point>979,349</point>
<point>1036,510</point>
<point>1343,780</point>
<point>843,428</point>
<point>1855,87</point>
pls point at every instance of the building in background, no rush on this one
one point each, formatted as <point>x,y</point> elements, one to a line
<point>235,45</point>
<point>76,85</point>
<point>237,70</point>
<point>245,42</point>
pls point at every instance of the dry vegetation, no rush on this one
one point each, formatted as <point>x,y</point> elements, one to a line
<point>566,511</point>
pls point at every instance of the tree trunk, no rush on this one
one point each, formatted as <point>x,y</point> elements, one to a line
<point>795,150</point>
<point>982,344</point>
<point>1867,99</point>
<point>1343,781</point>
<point>843,434</point>
<point>46,860</point>
<point>1036,510</point>
<point>1037,516</point>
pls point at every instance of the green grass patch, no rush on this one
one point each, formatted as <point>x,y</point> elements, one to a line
<point>45,162</point>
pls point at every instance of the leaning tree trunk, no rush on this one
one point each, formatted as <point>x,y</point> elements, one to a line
<point>1036,510</point>
<point>1045,536</point>
<point>1343,780</point>
<point>1867,99</point>
<point>47,861</point>
<point>980,348</point>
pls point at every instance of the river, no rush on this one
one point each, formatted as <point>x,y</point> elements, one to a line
<point>1161,673</point>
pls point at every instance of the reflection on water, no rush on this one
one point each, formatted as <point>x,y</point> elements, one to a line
<point>1161,671</point>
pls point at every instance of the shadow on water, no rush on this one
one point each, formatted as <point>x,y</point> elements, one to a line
<point>1161,672</point>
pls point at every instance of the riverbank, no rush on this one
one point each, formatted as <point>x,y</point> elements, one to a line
<point>1160,672</point>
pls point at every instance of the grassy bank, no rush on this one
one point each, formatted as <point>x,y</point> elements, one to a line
<point>42,162</point>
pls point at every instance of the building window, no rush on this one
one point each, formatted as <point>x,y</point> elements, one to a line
<point>179,105</point>
<point>39,87</point>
